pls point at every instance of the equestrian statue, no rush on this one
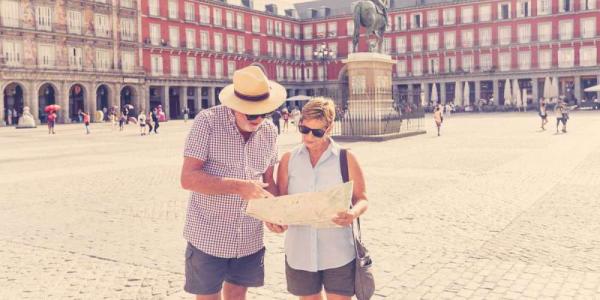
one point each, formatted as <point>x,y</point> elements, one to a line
<point>371,14</point>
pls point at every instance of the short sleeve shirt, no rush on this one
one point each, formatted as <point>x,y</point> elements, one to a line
<point>217,224</point>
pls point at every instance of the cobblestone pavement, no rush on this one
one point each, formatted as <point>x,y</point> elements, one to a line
<point>493,209</point>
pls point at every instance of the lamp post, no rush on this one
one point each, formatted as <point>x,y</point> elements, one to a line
<point>323,54</point>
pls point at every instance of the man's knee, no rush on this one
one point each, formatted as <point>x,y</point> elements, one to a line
<point>234,292</point>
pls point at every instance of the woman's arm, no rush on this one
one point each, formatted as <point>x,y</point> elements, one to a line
<point>282,184</point>
<point>359,194</point>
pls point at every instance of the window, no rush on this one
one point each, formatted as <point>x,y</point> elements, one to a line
<point>189,12</point>
<point>46,55</point>
<point>416,21</point>
<point>332,29</point>
<point>485,13</point>
<point>467,63</point>
<point>544,7</point>
<point>400,44</point>
<point>524,33</point>
<point>13,52</point>
<point>297,52</point>
<point>127,3</point>
<point>153,9</point>
<point>320,73</point>
<point>127,61</point>
<point>433,42</point>
<point>173,9</point>
<point>127,29</point>
<point>204,40</point>
<point>450,64</point>
<point>565,30</point>
<point>485,37</point>
<point>544,32</point>
<point>256,47</point>
<point>308,73</point>
<point>255,24</point>
<point>504,11</point>
<point>230,68</point>
<point>241,44</point>
<point>218,69</point>
<point>74,22</point>
<point>588,28</point>
<point>269,26</point>
<point>217,17</point>
<point>588,4</point>
<point>298,74</point>
<point>504,35</point>
<point>288,51</point>
<point>449,40</point>
<point>239,21</point>
<point>417,67</point>
<point>587,56</point>
<point>103,60</point>
<point>230,43</point>
<point>449,16</point>
<point>155,34</point>
<point>204,15</point>
<point>270,50</point>
<point>467,38</point>
<point>432,18</point>
<point>505,61</point>
<point>566,5</point>
<point>278,29</point>
<point>523,8</point>
<point>566,58</point>
<point>401,68</point>
<point>350,28</point>
<point>174,36</point>
<point>485,62</point>
<point>43,18</point>
<point>279,50</point>
<point>297,32</point>
<point>205,67</point>
<point>467,15</point>
<point>10,12</point>
<point>334,47</point>
<point>524,60</point>
<point>308,32</point>
<point>102,25</point>
<point>190,38</point>
<point>387,46</point>
<point>308,52</point>
<point>156,65</point>
<point>434,65</point>
<point>545,59</point>
<point>229,19</point>
<point>417,43</point>
<point>218,47</point>
<point>75,58</point>
<point>290,73</point>
<point>191,67</point>
<point>175,66</point>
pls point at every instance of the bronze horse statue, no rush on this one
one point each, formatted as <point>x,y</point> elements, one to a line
<point>374,18</point>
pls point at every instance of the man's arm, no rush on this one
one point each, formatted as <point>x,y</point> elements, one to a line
<point>268,179</point>
<point>195,180</point>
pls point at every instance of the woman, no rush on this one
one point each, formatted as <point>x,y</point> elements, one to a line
<point>319,257</point>
<point>558,112</point>
<point>51,122</point>
<point>438,118</point>
<point>286,119</point>
<point>543,113</point>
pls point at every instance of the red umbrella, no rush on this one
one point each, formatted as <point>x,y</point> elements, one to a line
<point>52,107</point>
<point>133,120</point>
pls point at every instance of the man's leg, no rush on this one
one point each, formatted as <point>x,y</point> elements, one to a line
<point>216,296</point>
<point>234,292</point>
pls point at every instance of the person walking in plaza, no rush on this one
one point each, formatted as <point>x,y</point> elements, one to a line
<point>186,114</point>
<point>286,119</point>
<point>296,115</point>
<point>565,116</point>
<point>113,119</point>
<point>85,118</point>
<point>142,121</point>
<point>276,117</point>
<point>229,158</point>
<point>558,113</point>
<point>51,122</point>
<point>149,122</point>
<point>9,116</point>
<point>543,113</point>
<point>438,118</point>
<point>154,117</point>
<point>317,258</point>
<point>122,121</point>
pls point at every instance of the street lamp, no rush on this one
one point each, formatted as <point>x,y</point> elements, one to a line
<point>323,54</point>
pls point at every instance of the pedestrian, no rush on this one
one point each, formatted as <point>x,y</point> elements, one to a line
<point>126,113</point>
<point>154,117</point>
<point>85,118</point>
<point>9,116</point>
<point>122,121</point>
<point>186,114</point>
<point>276,116</point>
<point>15,118</point>
<point>229,158</point>
<point>51,122</point>
<point>286,119</point>
<point>438,118</point>
<point>565,117</point>
<point>104,114</point>
<point>543,113</point>
<point>558,113</point>
<point>317,258</point>
<point>113,119</point>
<point>296,114</point>
<point>80,116</point>
<point>142,121</point>
<point>149,122</point>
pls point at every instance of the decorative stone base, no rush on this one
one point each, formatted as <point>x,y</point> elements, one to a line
<point>376,138</point>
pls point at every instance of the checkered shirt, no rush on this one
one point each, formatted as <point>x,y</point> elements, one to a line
<point>217,224</point>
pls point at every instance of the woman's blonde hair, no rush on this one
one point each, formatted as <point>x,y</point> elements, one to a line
<point>319,108</point>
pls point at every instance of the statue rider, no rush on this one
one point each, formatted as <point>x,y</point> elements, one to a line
<point>381,7</point>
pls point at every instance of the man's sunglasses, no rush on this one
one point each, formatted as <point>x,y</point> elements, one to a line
<point>316,132</point>
<point>254,117</point>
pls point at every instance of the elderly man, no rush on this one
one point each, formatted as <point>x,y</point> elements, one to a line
<point>229,158</point>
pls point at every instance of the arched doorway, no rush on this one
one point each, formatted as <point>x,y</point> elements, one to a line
<point>47,96</point>
<point>128,96</point>
<point>102,103</point>
<point>77,102</point>
<point>13,101</point>
<point>174,107</point>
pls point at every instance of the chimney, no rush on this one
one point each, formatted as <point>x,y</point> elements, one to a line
<point>290,12</point>
<point>248,3</point>
<point>271,8</point>
<point>325,11</point>
<point>313,12</point>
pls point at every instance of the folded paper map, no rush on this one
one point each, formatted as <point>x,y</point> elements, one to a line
<point>312,208</point>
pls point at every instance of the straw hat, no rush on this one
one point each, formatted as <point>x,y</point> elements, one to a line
<point>252,93</point>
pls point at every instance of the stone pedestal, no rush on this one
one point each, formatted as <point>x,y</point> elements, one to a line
<point>26,120</point>
<point>370,110</point>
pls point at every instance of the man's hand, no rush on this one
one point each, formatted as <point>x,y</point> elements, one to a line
<point>344,218</point>
<point>252,189</point>
<point>276,228</point>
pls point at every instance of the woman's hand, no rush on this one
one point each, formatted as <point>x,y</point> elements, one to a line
<point>276,228</point>
<point>345,218</point>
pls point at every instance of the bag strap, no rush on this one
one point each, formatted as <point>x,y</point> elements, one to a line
<point>346,178</point>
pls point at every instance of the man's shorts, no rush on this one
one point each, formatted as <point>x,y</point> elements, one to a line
<point>339,281</point>
<point>205,274</point>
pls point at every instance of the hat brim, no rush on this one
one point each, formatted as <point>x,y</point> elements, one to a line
<point>277,96</point>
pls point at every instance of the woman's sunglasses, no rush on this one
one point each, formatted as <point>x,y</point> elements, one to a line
<point>316,132</point>
<point>254,117</point>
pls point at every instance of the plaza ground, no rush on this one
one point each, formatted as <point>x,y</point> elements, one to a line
<point>492,209</point>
